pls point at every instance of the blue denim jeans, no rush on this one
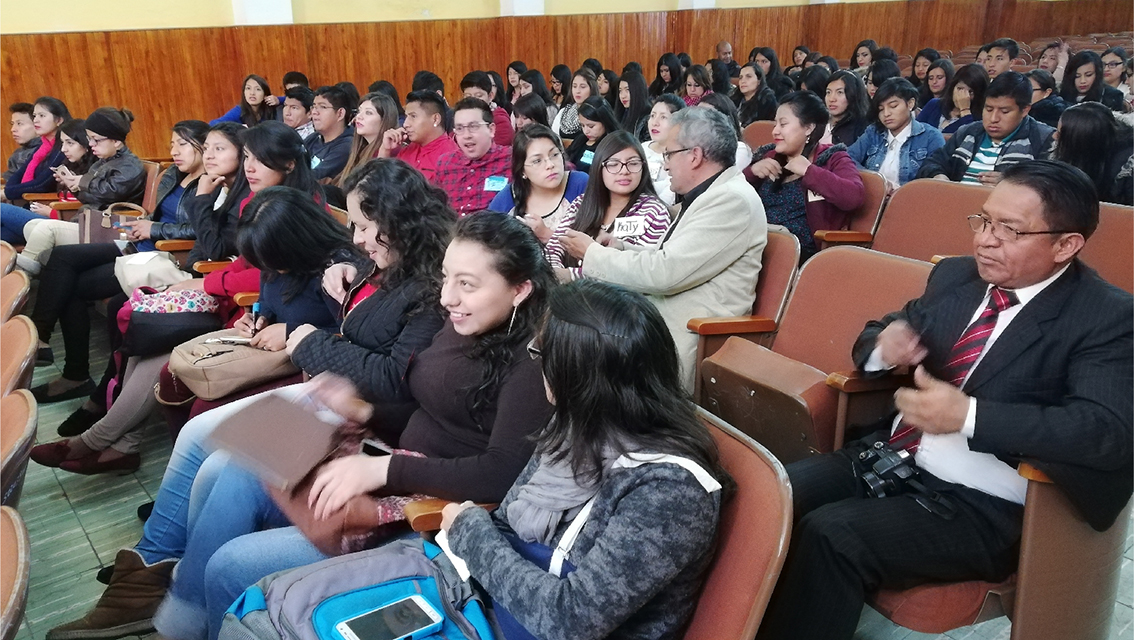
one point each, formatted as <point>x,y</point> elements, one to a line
<point>12,221</point>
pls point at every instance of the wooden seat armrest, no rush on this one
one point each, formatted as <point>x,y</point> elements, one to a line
<point>209,266</point>
<point>425,515</point>
<point>66,205</point>
<point>246,298</point>
<point>937,258</point>
<point>40,197</point>
<point>843,237</point>
<point>857,382</point>
<point>175,245</point>
<point>1031,473</point>
<point>731,326</point>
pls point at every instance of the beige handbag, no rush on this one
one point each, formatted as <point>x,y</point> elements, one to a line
<point>155,269</point>
<point>213,368</point>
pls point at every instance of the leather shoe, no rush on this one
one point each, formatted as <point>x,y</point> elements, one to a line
<point>78,422</point>
<point>51,454</point>
<point>83,390</point>
<point>44,356</point>
<point>90,465</point>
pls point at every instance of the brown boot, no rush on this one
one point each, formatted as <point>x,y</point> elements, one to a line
<point>127,606</point>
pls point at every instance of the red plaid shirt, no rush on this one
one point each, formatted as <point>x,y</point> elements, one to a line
<point>465,180</point>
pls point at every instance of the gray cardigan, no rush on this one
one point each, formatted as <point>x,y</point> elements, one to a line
<point>640,559</point>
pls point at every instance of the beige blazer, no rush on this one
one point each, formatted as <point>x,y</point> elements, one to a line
<point>707,267</point>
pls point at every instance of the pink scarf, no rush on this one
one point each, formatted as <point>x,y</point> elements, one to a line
<point>37,158</point>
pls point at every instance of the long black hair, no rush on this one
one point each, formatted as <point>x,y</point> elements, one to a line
<point>631,117</point>
<point>414,216</point>
<point>676,75</point>
<point>775,72</point>
<point>518,258</point>
<point>278,147</point>
<point>870,45</point>
<point>596,198</point>
<point>562,74</point>
<point>613,370</point>
<point>719,71</point>
<point>810,109</point>
<point>521,188</point>
<point>925,94</point>
<point>1088,131</point>
<point>975,78</point>
<point>57,109</point>
<point>595,108</point>
<point>76,129</point>
<point>233,132</point>
<point>611,95</point>
<point>762,105</point>
<point>282,231</point>
<point>533,108</point>
<point>929,54</point>
<point>858,103</point>
<point>1068,91</point>
<point>539,85</point>
<point>520,68</point>
<point>250,115</point>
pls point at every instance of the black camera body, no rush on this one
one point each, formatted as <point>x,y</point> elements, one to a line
<point>886,471</point>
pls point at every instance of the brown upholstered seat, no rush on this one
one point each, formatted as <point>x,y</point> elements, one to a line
<point>758,134</point>
<point>18,413</point>
<point>1064,587</point>
<point>778,268</point>
<point>753,538</point>
<point>7,257</point>
<point>15,563</point>
<point>863,220</point>
<point>1110,250</point>
<point>14,289</point>
<point>18,339</point>
<point>795,398</point>
<point>927,217</point>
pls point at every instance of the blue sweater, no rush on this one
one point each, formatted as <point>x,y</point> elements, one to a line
<point>931,115</point>
<point>576,185</point>
<point>233,114</point>
<point>43,180</point>
<point>307,306</point>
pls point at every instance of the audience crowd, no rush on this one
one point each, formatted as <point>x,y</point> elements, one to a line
<point>507,307</point>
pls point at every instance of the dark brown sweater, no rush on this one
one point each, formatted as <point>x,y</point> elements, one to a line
<point>467,459</point>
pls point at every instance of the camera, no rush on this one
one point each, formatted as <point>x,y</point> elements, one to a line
<point>886,472</point>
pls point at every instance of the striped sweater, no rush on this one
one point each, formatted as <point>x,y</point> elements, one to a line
<point>648,231</point>
<point>1031,140</point>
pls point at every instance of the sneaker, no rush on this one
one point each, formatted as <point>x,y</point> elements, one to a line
<point>127,606</point>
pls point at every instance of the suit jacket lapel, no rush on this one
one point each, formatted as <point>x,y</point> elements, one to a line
<point>949,321</point>
<point>1025,330</point>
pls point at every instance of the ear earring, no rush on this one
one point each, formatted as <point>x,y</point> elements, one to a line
<point>513,320</point>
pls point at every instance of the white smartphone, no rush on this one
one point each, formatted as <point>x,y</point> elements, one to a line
<point>405,619</point>
<point>228,340</point>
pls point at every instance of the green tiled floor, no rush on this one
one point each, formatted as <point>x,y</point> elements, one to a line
<point>78,523</point>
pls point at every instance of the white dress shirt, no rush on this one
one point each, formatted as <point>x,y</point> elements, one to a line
<point>948,456</point>
<point>891,164</point>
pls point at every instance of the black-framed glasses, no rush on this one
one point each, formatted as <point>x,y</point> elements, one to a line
<point>666,155</point>
<point>472,127</point>
<point>633,165</point>
<point>533,351</point>
<point>1004,232</point>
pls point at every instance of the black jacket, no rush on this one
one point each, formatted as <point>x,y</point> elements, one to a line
<point>848,130</point>
<point>379,339</point>
<point>181,228</point>
<point>43,180</point>
<point>1049,110</point>
<point>120,178</point>
<point>1053,390</point>
<point>1033,140</point>
<point>762,106</point>
<point>215,229</point>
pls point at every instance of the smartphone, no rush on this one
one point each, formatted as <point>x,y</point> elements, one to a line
<point>410,617</point>
<point>375,448</point>
<point>229,340</point>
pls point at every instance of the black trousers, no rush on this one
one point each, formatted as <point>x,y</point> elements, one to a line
<point>73,276</point>
<point>845,545</point>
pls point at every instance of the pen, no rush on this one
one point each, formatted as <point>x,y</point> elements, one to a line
<point>255,315</point>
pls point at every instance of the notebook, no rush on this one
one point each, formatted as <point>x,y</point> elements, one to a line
<point>277,439</point>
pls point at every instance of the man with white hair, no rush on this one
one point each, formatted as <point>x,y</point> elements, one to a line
<point>708,262</point>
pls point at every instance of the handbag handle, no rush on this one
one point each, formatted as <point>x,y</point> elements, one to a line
<point>125,209</point>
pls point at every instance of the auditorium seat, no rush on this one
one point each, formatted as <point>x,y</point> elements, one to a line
<point>15,566</point>
<point>798,397</point>
<point>758,134</point>
<point>18,340</point>
<point>7,258</point>
<point>14,289</point>
<point>778,268</point>
<point>18,414</point>
<point>1064,588</point>
<point>926,217</point>
<point>66,208</point>
<point>863,220</point>
<point>1110,250</point>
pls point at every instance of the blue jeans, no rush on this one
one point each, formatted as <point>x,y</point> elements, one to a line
<point>12,221</point>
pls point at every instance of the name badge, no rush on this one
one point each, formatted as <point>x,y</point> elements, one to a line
<point>814,197</point>
<point>495,183</point>
<point>629,226</point>
<point>588,158</point>
<point>316,161</point>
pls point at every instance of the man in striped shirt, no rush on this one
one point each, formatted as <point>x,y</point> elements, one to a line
<point>1006,135</point>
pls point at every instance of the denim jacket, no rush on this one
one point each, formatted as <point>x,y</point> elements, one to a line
<point>870,149</point>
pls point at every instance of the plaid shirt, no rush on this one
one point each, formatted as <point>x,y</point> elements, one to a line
<point>465,180</point>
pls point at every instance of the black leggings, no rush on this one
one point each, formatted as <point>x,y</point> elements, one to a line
<point>75,275</point>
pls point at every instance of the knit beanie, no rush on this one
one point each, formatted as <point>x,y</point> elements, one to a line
<point>110,122</point>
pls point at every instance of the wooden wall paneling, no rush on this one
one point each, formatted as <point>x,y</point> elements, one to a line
<point>943,24</point>
<point>782,28</point>
<point>614,39</point>
<point>530,39</point>
<point>268,51</point>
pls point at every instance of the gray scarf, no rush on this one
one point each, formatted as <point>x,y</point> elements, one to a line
<point>552,495</point>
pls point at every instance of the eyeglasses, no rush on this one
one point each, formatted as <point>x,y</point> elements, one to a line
<point>533,350</point>
<point>666,155</point>
<point>1112,65</point>
<point>551,159</point>
<point>95,139</point>
<point>471,128</point>
<point>1002,232</point>
<point>634,165</point>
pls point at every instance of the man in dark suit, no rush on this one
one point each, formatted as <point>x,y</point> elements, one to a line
<point>1020,353</point>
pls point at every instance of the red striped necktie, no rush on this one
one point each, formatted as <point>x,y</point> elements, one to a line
<point>962,358</point>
